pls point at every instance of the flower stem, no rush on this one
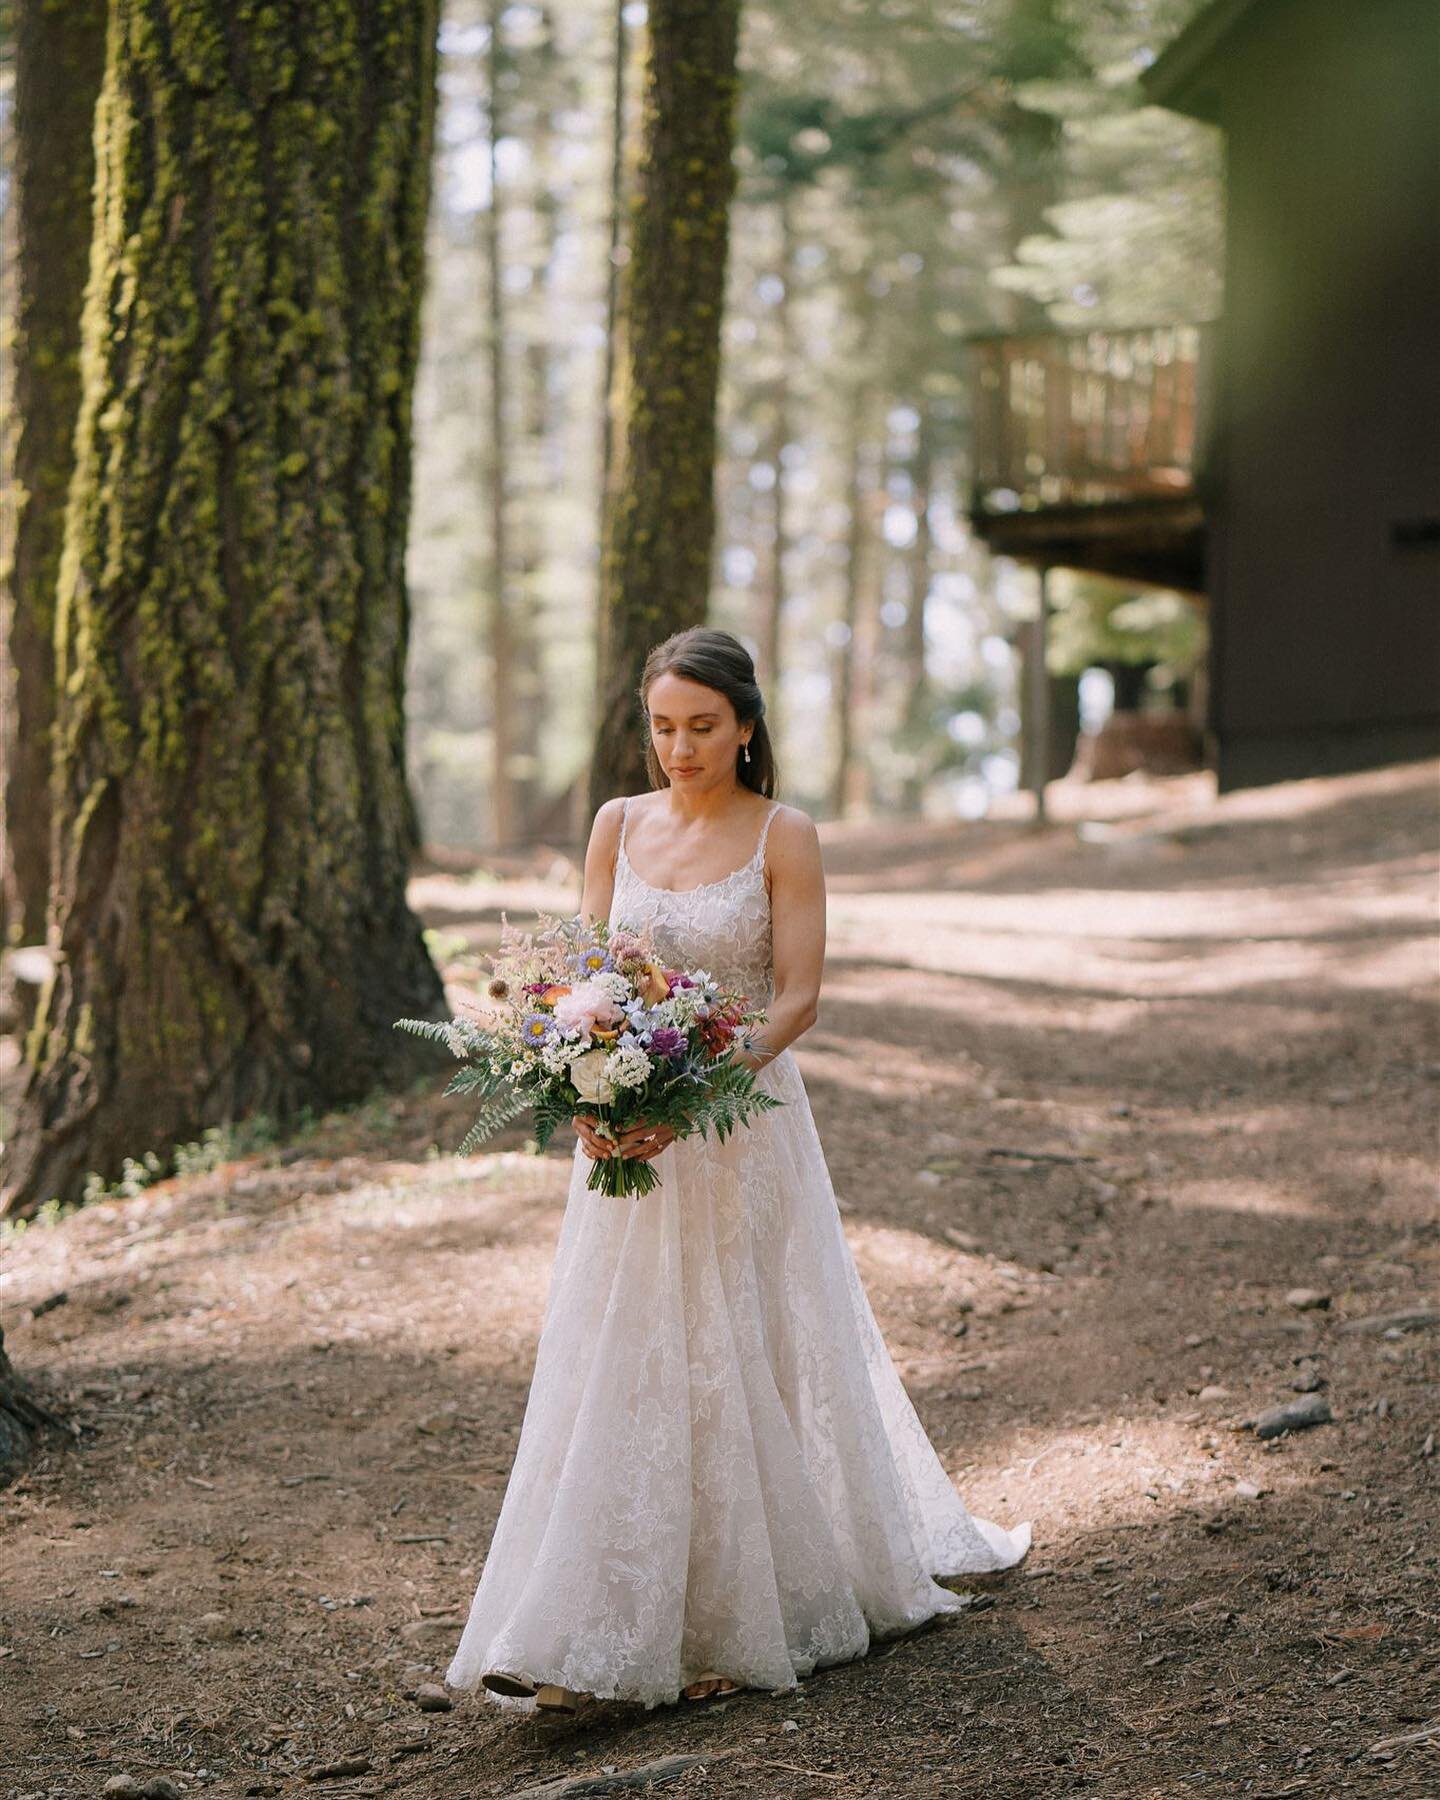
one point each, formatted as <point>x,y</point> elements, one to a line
<point>622,1176</point>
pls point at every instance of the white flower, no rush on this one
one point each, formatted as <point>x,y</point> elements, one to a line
<point>588,1072</point>
<point>613,983</point>
<point>682,1004</point>
<point>628,1067</point>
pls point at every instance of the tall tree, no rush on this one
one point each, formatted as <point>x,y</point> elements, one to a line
<point>232,825</point>
<point>855,652</point>
<point>59,52</point>
<point>502,696</point>
<point>662,522</point>
<point>781,425</point>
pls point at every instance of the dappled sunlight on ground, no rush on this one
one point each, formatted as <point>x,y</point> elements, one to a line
<point>1228,1195</point>
<point>1094,1113</point>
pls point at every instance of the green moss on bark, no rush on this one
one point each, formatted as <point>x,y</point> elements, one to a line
<point>59,56</point>
<point>233,829</point>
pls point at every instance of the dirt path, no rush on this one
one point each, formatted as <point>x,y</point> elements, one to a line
<point>1130,1091</point>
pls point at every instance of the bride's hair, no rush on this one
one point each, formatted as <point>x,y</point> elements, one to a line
<point>716,660</point>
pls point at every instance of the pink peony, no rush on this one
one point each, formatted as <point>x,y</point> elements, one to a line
<point>586,1006</point>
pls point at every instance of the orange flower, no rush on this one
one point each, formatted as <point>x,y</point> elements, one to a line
<point>651,986</point>
<point>599,1031</point>
<point>553,993</point>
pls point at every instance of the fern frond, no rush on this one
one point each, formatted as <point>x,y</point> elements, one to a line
<point>492,1118</point>
<point>476,1078</point>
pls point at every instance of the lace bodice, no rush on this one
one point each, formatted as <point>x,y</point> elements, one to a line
<point>722,926</point>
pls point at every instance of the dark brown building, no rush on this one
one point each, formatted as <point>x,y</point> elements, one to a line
<point>1300,434</point>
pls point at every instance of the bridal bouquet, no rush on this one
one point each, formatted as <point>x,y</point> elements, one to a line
<point>588,1019</point>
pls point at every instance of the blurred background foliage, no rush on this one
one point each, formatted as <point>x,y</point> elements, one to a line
<point>910,172</point>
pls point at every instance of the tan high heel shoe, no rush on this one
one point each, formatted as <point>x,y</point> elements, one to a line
<point>546,1695</point>
<point>514,1687</point>
<point>549,1698</point>
<point>710,1686</point>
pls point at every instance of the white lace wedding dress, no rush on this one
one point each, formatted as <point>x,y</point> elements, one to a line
<point>719,1467</point>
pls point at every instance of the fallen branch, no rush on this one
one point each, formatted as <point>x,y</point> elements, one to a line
<point>1054,1156</point>
<point>1410,1737</point>
<point>769,1762</point>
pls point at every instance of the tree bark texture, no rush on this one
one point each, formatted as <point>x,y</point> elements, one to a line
<point>232,825</point>
<point>22,1419</point>
<point>662,520</point>
<point>59,52</point>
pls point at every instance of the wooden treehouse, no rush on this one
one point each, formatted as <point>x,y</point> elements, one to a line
<point>1284,461</point>
<point>1085,447</point>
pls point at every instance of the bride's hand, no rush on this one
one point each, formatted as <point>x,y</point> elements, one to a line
<point>594,1146</point>
<point>642,1142</point>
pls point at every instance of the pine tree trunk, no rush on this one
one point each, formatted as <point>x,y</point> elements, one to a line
<point>536,422</point>
<point>849,782</point>
<point>916,677</point>
<point>772,624</point>
<point>502,793</point>
<point>662,522</point>
<point>619,249</point>
<point>233,829</point>
<point>59,52</point>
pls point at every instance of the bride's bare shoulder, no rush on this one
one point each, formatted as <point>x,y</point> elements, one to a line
<point>793,838</point>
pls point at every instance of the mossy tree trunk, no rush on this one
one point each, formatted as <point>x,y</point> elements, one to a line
<point>59,55</point>
<point>232,825</point>
<point>661,521</point>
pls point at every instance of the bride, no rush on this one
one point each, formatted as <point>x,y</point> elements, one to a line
<point>720,1480</point>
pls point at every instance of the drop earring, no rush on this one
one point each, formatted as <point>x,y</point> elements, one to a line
<point>747,750</point>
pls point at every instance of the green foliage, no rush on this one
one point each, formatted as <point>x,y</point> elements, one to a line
<point>492,1117</point>
<point>53,1212</point>
<point>217,1145</point>
<point>1097,621</point>
<point>941,169</point>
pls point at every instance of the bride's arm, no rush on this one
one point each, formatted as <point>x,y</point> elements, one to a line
<point>797,912</point>
<point>600,855</point>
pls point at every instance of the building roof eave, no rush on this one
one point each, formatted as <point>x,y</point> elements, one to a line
<point>1177,79</point>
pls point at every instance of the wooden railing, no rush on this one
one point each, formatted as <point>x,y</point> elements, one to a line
<point>1087,418</point>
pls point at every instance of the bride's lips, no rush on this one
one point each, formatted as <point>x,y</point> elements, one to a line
<point>684,771</point>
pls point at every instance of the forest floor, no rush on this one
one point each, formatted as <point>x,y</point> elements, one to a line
<point>1096,1099</point>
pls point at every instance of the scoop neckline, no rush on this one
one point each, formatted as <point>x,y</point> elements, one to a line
<point>720,881</point>
<point>700,888</point>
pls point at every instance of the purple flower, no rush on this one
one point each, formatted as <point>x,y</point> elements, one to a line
<point>592,959</point>
<point>666,1040</point>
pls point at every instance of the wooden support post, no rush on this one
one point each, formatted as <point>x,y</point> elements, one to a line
<point>1037,708</point>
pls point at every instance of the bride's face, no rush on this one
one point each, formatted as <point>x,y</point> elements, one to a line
<point>694,730</point>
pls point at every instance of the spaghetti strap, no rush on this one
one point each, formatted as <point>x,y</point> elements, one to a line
<point>765,832</point>
<point>624,820</point>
